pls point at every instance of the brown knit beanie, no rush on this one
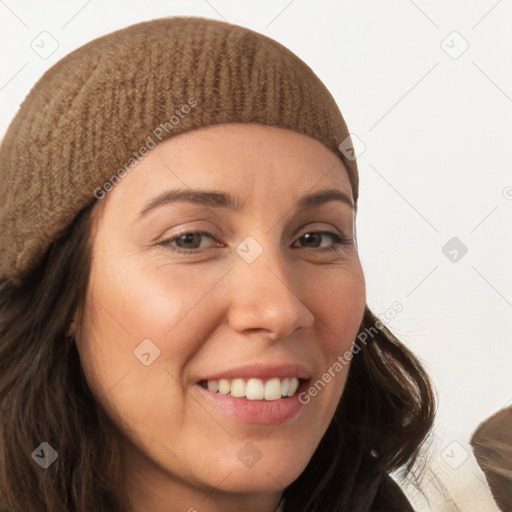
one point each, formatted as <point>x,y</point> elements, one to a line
<point>92,116</point>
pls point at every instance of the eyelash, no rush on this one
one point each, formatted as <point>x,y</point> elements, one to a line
<point>339,242</point>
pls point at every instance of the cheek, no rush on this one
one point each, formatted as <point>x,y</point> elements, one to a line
<point>338,302</point>
<point>129,304</point>
<point>129,314</point>
<point>144,301</point>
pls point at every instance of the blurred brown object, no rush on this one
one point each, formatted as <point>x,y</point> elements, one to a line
<point>492,446</point>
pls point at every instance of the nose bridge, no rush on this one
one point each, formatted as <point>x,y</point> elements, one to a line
<point>264,297</point>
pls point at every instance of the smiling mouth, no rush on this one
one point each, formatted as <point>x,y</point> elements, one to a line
<point>254,389</point>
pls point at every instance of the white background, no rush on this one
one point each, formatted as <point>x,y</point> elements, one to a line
<point>436,125</point>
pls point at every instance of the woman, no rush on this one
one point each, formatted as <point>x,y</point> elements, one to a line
<point>183,319</point>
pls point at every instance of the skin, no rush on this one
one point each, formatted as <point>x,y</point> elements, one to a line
<point>211,310</point>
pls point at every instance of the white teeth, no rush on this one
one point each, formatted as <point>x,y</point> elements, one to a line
<point>238,388</point>
<point>273,389</point>
<point>255,389</point>
<point>224,386</point>
<point>284,386</point>
<point>294,384</point>
<point>213,385</point>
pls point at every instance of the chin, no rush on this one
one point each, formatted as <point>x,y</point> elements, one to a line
<point>264,480</point>
<point>270,475</point>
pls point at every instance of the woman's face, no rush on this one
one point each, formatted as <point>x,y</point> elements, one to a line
<point>258,295</point>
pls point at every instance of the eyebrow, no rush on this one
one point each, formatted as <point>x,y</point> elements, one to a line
<point>214,199</point>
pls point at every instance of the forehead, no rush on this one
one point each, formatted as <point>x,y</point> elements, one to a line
<point>247,147</point>
<point>250,162</point>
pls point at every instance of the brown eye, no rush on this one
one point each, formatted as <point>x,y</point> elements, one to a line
<point>314,238</point>
<point>184,242</point>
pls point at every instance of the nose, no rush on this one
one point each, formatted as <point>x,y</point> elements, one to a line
<point>264,297</point>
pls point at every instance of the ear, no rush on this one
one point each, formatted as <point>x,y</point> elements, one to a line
<point>73,325</point>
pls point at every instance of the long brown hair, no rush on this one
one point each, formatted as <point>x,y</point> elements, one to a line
<point>384,415</point>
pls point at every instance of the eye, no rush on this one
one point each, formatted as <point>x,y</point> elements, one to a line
<point>189,238</point>
<point>316,236</point>
<point>192,238</point>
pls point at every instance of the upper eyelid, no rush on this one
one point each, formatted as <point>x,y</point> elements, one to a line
<point>201,232</point>
<point>231,231</point>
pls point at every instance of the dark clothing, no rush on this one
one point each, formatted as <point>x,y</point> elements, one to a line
<point>390,498</point>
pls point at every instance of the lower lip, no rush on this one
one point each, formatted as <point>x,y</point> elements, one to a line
<point>259,412</point>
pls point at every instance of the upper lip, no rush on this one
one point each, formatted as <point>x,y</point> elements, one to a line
<point>262,371</point>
